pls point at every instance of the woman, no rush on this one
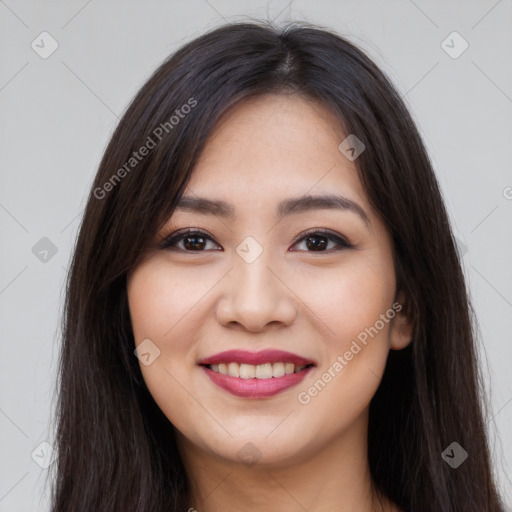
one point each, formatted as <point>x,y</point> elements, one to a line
<point>265,309</point>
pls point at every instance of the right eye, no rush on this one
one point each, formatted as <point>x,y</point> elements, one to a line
<point>192,240</point>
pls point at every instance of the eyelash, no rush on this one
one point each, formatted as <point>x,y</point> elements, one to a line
<point>169,242</point>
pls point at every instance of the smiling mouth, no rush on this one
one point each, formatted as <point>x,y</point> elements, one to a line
<point>261,371</point>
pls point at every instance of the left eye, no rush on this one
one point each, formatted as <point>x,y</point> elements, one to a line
<point>318,241</point>
<point>197,241</point>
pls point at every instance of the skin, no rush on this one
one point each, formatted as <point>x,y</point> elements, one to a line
<point>195,304</point>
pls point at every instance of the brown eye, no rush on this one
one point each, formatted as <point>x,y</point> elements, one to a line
<point>197,241</point>
<point>318,241</point>
<point>188,241</point>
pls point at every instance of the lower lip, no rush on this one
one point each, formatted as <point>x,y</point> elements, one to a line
<point>256,388</point>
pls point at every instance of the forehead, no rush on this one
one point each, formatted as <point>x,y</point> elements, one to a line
<point>272,147</point>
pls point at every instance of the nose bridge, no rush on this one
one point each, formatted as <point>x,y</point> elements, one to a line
<point>254,296</point>
<point>254,277</point>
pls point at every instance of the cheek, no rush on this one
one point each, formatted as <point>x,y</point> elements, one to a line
<point>159,301</point>
<point>351,298</point>
<point>351,302</point>
<point>159,308</point>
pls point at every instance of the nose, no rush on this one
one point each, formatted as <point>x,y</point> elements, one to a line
<point>254,296</point>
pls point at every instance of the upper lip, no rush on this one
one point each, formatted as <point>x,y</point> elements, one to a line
<point>256,358</point>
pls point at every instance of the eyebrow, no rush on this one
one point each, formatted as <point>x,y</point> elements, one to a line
<point>284,208</point>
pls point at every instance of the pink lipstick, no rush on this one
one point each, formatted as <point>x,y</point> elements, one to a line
<point>256,374</point>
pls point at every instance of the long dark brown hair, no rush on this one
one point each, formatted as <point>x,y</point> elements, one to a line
<point>116,449</point>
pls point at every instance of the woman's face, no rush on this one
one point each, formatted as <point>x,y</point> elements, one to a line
<point>261,277</point>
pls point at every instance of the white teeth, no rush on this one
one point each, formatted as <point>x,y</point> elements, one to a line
<point>233,370</point>
<point>264,371</point>
<point>247,371</point>
<point>277,369</point>
<point>260,371</point>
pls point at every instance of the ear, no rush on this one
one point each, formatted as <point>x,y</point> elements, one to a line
<point>401,325</point>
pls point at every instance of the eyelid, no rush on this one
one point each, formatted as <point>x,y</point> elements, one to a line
<point>338,238</point>
<point>169,240</point>
<point>177,235</point>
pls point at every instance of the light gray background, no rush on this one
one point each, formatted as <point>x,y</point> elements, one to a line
<point>57,115</point>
